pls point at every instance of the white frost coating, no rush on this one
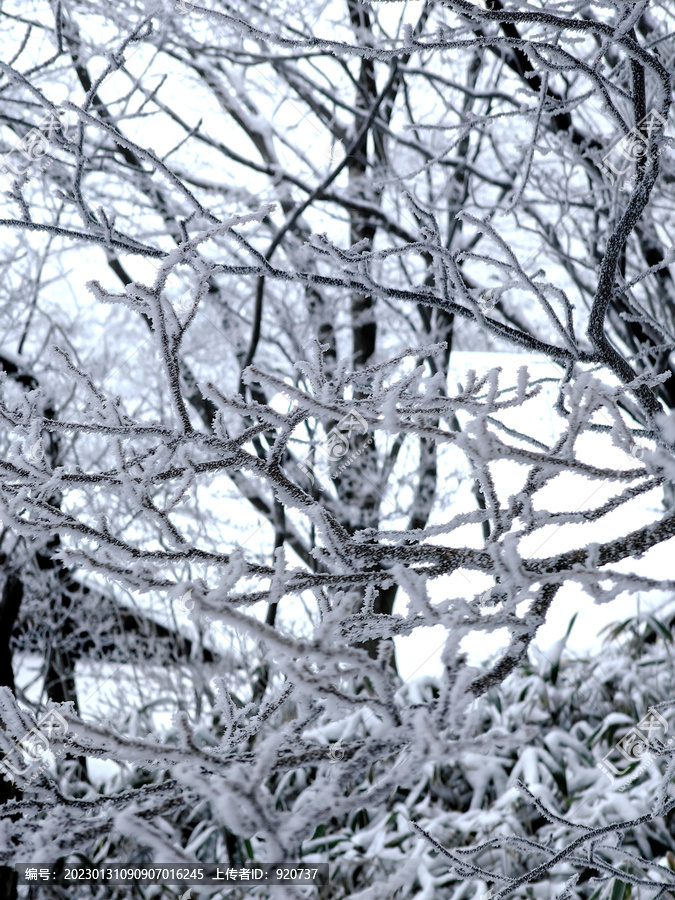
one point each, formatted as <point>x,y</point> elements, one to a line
<point>151,479</point>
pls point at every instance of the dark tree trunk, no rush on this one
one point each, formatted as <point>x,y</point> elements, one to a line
<point>12,595</point>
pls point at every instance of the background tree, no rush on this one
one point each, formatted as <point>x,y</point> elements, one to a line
<point>249,413</point>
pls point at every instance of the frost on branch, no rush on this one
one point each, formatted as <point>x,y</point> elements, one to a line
<point>243,465</point>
